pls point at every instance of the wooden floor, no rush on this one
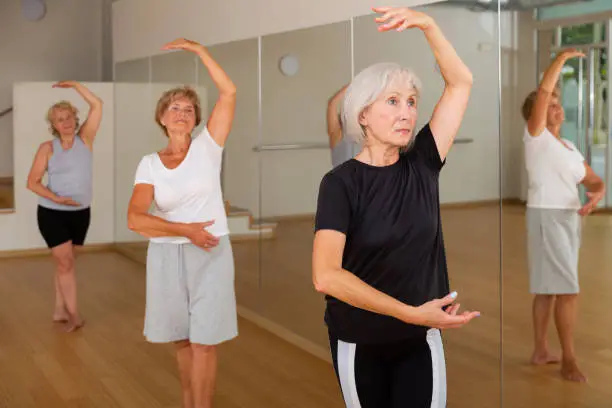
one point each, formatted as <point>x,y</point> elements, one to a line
<point>109,364</point>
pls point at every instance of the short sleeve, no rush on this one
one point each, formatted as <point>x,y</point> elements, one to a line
<point>144,175</point>
<point>333,205</point>
<point>425,148</point>
<point>213,151</point>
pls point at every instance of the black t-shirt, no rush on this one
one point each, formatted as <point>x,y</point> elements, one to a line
<point>391,218</point>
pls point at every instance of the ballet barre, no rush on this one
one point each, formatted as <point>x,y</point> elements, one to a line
<point>311,146</point>
<point>7,110</point>
<point>290,146</point>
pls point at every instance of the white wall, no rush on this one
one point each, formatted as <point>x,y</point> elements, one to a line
<point>65,44</point>
<point>141,27</point>
<point>19,230</point>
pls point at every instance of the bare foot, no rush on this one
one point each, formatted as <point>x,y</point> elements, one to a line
<point>542,358</point>
<point>74,325</point>
<point>59,319</point>
<point>571,372</point>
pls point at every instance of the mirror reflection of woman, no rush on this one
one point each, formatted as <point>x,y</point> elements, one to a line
<point>190,265</point>
<point>555,168</point>
<point>342,148</point>
<point>64,203</point>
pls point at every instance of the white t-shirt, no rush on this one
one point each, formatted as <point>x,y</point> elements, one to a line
<point>192,191</point>
<point>553,170</point>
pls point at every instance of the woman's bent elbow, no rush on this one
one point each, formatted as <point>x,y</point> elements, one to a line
<point>319,282</point>
<point>131,222</point>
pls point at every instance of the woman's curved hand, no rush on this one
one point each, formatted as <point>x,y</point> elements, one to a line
<point>594,198</point>
<point>401,18</point>
<point>432,314</point>
<point>65,84</point>
<point>571,53</point>
<point>200,237</point>
<point>66,201</point>
<point>183,44</point>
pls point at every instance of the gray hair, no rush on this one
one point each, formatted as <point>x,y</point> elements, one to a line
<point>366,87</point>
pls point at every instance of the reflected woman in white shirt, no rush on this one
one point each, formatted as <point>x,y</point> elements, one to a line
<point>555,169</point>
<point>190,266</point>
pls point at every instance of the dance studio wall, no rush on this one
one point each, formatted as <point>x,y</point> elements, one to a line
<point>66,44</point>
<point>19,230</point>
<point>140,26</point>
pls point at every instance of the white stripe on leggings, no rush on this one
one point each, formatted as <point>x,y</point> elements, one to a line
<point>346,372</point>
<point>438,366</point>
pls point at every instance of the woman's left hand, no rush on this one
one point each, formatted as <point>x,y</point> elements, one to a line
<point>401,18</point>
<point>183,44</point>
<point>594,199</point>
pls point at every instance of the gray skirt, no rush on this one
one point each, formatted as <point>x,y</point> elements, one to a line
<point>553,243</point>
<point>190,293</point>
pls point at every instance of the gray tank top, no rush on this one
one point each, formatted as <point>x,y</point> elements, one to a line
<point>344,150</point>
<point>69,174</point>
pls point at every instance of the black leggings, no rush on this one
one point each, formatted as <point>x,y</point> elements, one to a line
<point>410,373</point>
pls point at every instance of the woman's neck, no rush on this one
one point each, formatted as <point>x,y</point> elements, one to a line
<point>178,142</point>
<point>555,130</point>
<point>66,140</point>
<point>378,155</point>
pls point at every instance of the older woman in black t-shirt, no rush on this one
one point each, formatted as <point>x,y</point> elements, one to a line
<point>378,249</point>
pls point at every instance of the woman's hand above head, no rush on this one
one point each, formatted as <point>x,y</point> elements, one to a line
<point>184,44</point>
<point>90,127</point>
<point>65,84</point>
<point>450,109</point>
<point>222,116</point>
<point>401,18</point>
<point>432,314</point>
<point>570,53</point>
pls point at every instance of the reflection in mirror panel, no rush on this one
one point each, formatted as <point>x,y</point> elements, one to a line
<point>240,175</point>
<point>301,72</point>
<point>552,255</point>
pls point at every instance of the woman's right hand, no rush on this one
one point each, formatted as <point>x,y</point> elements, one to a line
<point>432,314</point>
<point>200,237</point>
<point>66,201</point>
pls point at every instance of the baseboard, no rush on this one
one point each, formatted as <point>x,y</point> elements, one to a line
<point>285,334</point>
<point>482,203</point>
<point>290,217</point>
<point>25,253</point>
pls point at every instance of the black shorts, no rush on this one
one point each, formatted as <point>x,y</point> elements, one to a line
<point>60,226</point>
<point>410,373</point>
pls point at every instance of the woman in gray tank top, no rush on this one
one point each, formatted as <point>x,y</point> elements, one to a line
<point>63,209</point>
<point>341,149</point>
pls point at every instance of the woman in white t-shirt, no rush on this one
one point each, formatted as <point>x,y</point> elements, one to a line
<point>555,168</point>
<point>190,266</point>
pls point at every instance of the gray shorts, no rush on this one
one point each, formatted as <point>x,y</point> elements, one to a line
<point>190,293</point>
<point>553,243</point>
